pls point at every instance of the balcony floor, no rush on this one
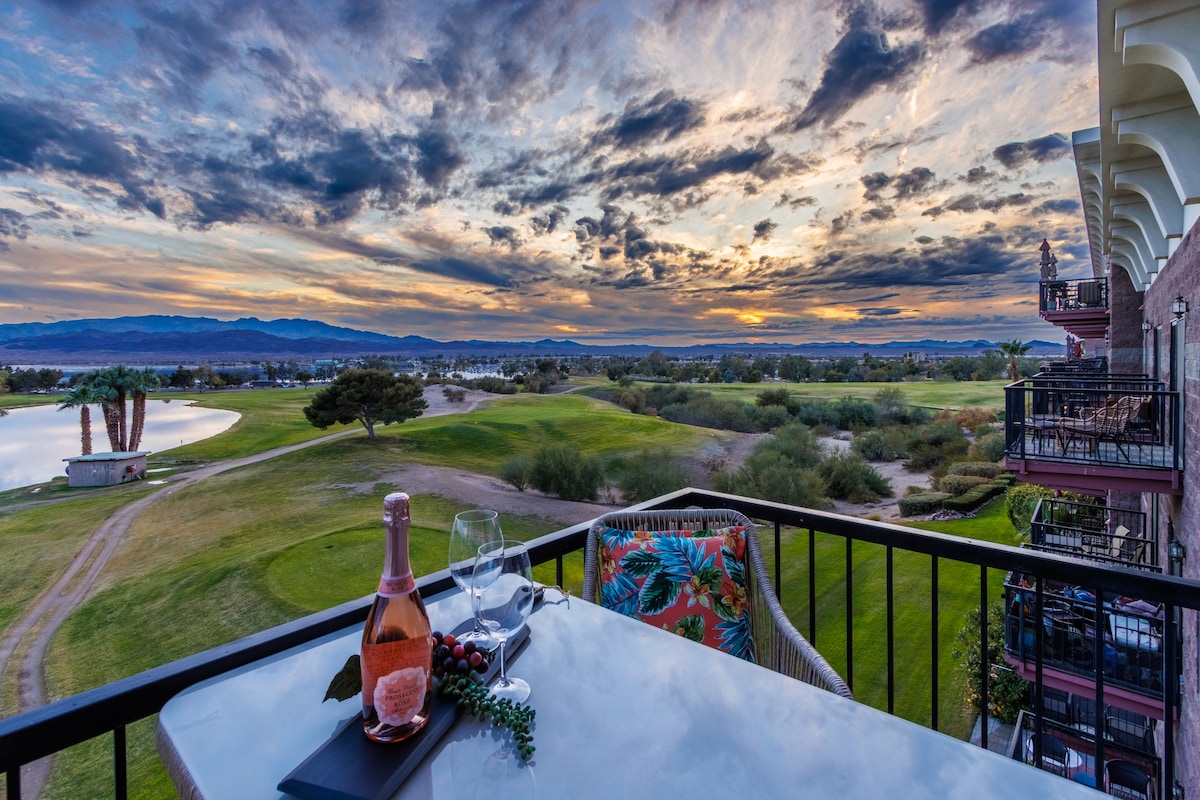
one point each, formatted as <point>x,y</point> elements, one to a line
<point>1046,457</point>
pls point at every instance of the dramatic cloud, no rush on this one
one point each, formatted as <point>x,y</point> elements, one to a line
<point>861,61</point>
<point>1015,155</point>
<point>763,230</point>
<point>472,169</point>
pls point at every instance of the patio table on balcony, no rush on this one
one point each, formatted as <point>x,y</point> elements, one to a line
<point>623,710</point>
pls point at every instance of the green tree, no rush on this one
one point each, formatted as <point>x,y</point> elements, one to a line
<point>1014,350</point>
<point>369,396</point>
<point>1008,693</point>
<point>304,377</point>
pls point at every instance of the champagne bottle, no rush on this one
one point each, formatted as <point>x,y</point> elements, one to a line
<point>397,641</point>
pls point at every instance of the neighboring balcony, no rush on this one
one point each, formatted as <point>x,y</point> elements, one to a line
<point>1079,306</point>
<point>1091,435</point>
<point>1113,536</point>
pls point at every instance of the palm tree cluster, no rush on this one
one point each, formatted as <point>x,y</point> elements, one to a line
<point>111,388</point>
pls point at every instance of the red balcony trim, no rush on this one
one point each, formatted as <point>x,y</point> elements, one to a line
<point>1094,479</point>
<point>1085,686</point>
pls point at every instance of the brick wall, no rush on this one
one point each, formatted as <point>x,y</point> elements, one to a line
<point>1126,338</point>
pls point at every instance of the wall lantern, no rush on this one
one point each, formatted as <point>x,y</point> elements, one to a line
<point>1147,327</point>
<point>1179,306</point>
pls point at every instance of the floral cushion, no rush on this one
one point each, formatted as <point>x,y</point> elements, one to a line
<point>690,582</point>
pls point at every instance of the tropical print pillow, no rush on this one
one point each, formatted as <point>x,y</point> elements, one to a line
<point>692,583</point>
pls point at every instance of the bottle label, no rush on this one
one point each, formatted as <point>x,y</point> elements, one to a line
<point>396,677</point>
<point>395,586</point>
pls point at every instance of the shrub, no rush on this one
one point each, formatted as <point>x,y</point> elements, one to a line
<point>768,418</point>
<point>650,474</point>
<point>989,447</point>
<point>454,395</point>
<point>930,445</point>
<point>561,469</point>
<point>492,384</point>
<point>978,469</point>
<point>1008,693</point>
<point>815,412</point>
<point>515,472</point>
<point>795,442</point>
<point>773,397</point>
<point>769,475</point>
<point>1020,502</point>
<point>894,408</point>
<point>974,497</point>
<point>972,417</point>
<point>881,444</point>
<point>853,413</point>
<point>849,477</point>
<point>926,503</point>
<point>959,484</point>
<point>707,411</point>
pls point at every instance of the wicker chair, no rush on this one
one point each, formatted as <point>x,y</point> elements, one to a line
<point>1107,423</point>
<point>777,643</point>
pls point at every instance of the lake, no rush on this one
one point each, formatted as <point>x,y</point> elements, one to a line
<point>34,441</point>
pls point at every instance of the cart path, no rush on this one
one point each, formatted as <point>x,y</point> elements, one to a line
<point>28,638</point>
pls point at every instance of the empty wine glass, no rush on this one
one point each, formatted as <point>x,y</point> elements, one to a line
<point>503,601</point>
<point>472,530</point>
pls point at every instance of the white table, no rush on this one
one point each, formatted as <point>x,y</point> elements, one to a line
<point>623,710</point>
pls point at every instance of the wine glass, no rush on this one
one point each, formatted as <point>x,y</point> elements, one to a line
<point>503,601</point>
<point>472,530</point>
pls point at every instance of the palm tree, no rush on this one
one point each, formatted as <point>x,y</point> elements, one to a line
<point>140,382</point>
<point>116,384</point>
<point>1014,350</point>
<point>82,396</point>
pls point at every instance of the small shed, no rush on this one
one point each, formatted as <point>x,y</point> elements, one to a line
<point>106,469</point>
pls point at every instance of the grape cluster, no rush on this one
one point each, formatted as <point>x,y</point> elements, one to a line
<point>452,658</point>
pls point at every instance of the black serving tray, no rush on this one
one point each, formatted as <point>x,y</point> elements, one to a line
<point>349,766</point>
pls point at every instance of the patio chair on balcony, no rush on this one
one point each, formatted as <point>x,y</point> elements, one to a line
<point>1126,780</point>
<point>1107,423</point>
<point>1056,756</point>
<point>1089,294</point>
<point>701,574</point>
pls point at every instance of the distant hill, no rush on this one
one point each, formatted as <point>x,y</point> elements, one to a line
<point>174,339</point>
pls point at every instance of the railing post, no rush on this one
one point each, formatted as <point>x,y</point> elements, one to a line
<point>850,613</point>
<point>891,634</point>
<point>1170,690</point>
<point>812,586</point>
<point>12,779</point>
<point>120,764</point>
<point>984,666</point>
<point>933,615</point>
<point>778,572</point>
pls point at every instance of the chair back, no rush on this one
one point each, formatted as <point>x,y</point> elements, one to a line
<point>777,644</point>
<point>1126,780</point>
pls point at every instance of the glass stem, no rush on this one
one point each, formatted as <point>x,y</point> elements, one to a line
<point>503,677</point>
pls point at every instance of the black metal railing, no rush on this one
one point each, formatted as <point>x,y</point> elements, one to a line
<point>1075,295</point>
<point>1129,423</point>
<point>1097,366</point>
<point>1094,531</point>
<point>55,727</point>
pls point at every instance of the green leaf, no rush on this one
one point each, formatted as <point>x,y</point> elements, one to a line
<point>691,627</point>
<point>710,575</point>
<point>641,564</point>
<point>658,592</point>
<point>347,683</point>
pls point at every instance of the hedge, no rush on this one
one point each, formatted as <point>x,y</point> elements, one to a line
<point>975,497</point>
<point>977,469</point>
<point>959,484</point>
<point>925,503</point>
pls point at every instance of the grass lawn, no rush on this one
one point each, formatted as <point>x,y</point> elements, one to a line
<point>267,543</point>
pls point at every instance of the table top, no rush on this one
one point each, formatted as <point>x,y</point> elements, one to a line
<point>623,710</point>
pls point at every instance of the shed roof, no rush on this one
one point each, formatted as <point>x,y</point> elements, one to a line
<point>109,456</point>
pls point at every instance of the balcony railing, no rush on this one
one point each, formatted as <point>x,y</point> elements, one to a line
<point>109,709</point>
<point>1080,306</point>
<point>1115,536</point>
<point>1094,434</point>
<point>1095,367</point>
<point>1060,626</point>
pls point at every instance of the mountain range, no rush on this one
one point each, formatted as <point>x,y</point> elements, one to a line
<point>195,340</point>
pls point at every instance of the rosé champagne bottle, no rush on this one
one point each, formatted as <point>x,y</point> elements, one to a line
<point>397,642</point>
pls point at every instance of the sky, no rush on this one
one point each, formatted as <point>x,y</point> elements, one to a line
<point>665,172</point>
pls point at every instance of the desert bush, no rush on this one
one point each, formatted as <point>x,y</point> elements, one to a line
<point>770,475</point>
<point>989,447</point>
<point>561,469</point>
<point>492,384</point>
<point>633,398</point>
<point>1019,503</point>
<point>894,408</point>
<point>707,411</point>
<point>972,417</point>
<point>815,413</point>
<point>854,414</point>
<point>773,397</point>
<point>979,469</point>
<point>881,444</point>
<point>454,395</point>
<point>795,442</point>
<point>649,474</point>
<point>930,445</point>
<point>959,484</point>
<point>849,477</point>
<point>515,472</point>
<point>925,503</point>
<point>768,418</point>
